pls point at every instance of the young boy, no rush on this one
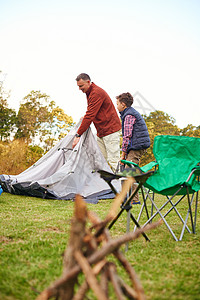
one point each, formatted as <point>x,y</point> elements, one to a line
<point>134,131</point>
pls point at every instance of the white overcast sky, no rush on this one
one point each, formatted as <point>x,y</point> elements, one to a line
<point>149,46</point>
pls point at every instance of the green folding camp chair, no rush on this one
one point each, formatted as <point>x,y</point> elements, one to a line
<point>177,178</point>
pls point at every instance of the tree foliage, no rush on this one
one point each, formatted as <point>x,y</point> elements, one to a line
<point>191,130</point>
<point>17,156</point>
<point>7,115</point>
<point>38,118</point>
<point>7,120</point>
<point>59,124</point>
<point>33,112</point>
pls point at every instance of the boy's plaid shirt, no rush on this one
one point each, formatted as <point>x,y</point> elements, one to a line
<point>128,129</point>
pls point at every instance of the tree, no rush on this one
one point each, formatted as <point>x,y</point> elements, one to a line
<point>162,123</point>
<point>60,123</point>
<point>39,119</point>
<point>33,111</point>
<point>191,130</point>
<point>16,156</point>
<point>7,115</point>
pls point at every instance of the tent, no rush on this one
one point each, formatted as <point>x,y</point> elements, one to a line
<point>63,172</point>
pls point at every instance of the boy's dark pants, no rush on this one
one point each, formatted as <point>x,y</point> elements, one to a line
<point>134,156</point>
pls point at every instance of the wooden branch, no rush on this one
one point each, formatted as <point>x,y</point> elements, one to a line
<point>134,278</point>
<point>98,225</point>
<point>113,278</point>
<point>45,295</point>
<point>91,243</point>
<point>82,239</point>
<point>93,217</point>
<point>127,290</point>
<point>80,208</point>
<point>77,233</point>
<point>120,197</point>
<point>111,246</point>
<point>104,280</point>
<point>76,242</point>
<point>90,276</point>
<point>84,287</point>
<point>80,294</point>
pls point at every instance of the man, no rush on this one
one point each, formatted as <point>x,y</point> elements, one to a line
<point>102,113</point>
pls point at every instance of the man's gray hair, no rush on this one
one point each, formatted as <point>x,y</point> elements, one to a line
<point>83,76</point>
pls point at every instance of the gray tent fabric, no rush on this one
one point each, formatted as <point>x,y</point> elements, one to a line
<point>64,172</point>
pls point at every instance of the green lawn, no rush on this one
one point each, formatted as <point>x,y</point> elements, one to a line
<point>34,234</point>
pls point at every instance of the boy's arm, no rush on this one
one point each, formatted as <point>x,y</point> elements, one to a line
<point>123,156</point>
<point>128,130</point>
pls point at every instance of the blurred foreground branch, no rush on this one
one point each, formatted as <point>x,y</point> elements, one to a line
<point>87,253</point>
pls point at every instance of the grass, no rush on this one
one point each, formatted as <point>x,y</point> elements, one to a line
<point>34,234</point>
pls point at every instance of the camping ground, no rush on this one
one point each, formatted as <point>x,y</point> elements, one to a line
<point>34,234</point>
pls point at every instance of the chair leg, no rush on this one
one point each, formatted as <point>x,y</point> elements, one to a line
<point>195,216</point>
<point>189,212</point>
<point>158,211</point>
<point>127,227</point>
<point>138,226</point>
<point>177,212</point>
<point>190,209</point>
<point>144,206</point>
<point>126,206</point>
<point>153,197</point>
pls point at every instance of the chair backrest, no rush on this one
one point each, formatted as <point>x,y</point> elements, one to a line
<point>176,157</point>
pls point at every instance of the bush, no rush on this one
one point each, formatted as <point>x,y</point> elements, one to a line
<point>17,156</point>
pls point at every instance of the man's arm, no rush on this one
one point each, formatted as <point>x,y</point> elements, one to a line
<point>92,110</point>
<point>95,103</point>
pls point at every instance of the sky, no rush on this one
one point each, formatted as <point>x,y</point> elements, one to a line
<point>150,47</point>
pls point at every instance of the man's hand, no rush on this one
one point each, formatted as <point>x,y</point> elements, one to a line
<point>75,141</point>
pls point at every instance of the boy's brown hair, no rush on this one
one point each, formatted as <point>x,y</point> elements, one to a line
<point>126,98</point>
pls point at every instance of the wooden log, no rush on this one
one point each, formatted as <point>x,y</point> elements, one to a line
<point>132,274</point>
<point>76,242</point>
<point>114,244</point>
<point>115,282</point>
<point>104,280</point>
<point>120,197</point>
<point>110,247</point>
<point>77,233</point>
<point>90,276</point>
<point>128,291</point>
<point>80,294</point>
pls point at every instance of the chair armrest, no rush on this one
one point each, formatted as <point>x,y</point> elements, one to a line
<point>129,163</point>
<point>149,166</point>
<point>197,170</point>
<point>194,172</point>
<point>144,169</point>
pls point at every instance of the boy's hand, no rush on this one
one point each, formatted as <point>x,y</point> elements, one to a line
<point>123,156</point>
